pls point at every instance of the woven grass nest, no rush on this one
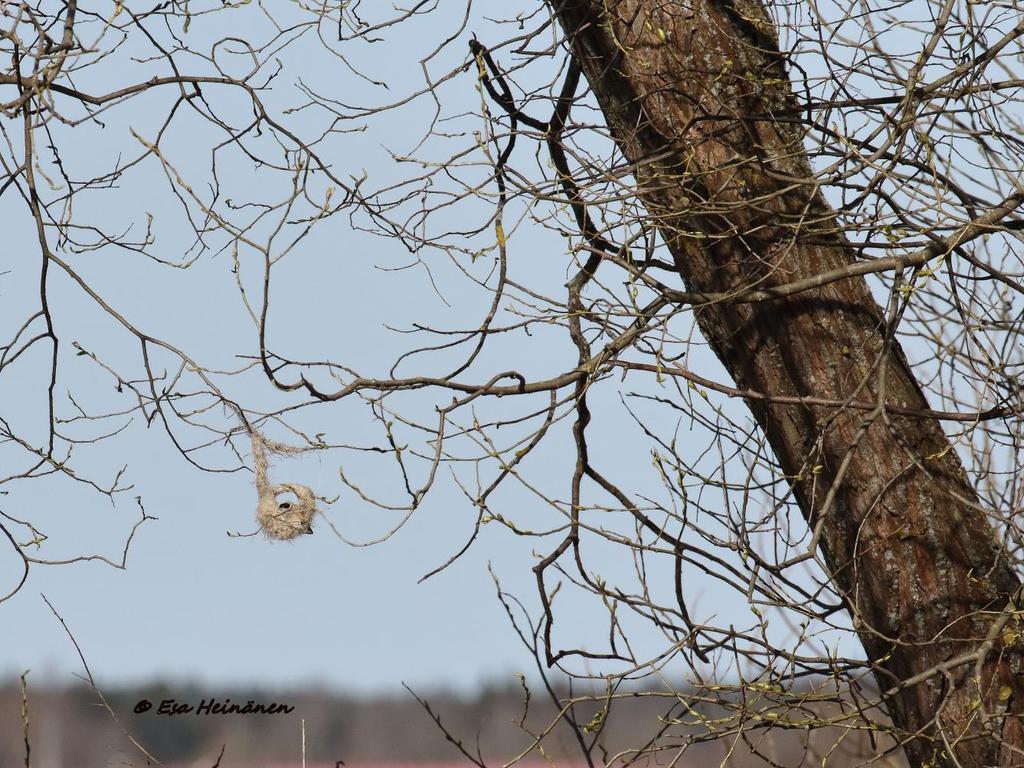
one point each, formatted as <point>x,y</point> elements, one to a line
<point>286,510</point>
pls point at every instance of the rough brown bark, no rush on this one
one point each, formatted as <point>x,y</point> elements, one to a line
<point>688,90</point>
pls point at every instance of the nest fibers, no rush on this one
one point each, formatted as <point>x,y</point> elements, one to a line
<point>281,519</point>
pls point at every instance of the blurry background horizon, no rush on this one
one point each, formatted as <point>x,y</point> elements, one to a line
<point>69,728</point>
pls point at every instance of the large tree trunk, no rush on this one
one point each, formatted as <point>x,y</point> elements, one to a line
<point>688,90</point>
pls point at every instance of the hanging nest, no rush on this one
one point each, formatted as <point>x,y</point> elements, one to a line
<point>286,510</point>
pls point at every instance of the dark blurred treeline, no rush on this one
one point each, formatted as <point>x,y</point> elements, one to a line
<point>71,728</point>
